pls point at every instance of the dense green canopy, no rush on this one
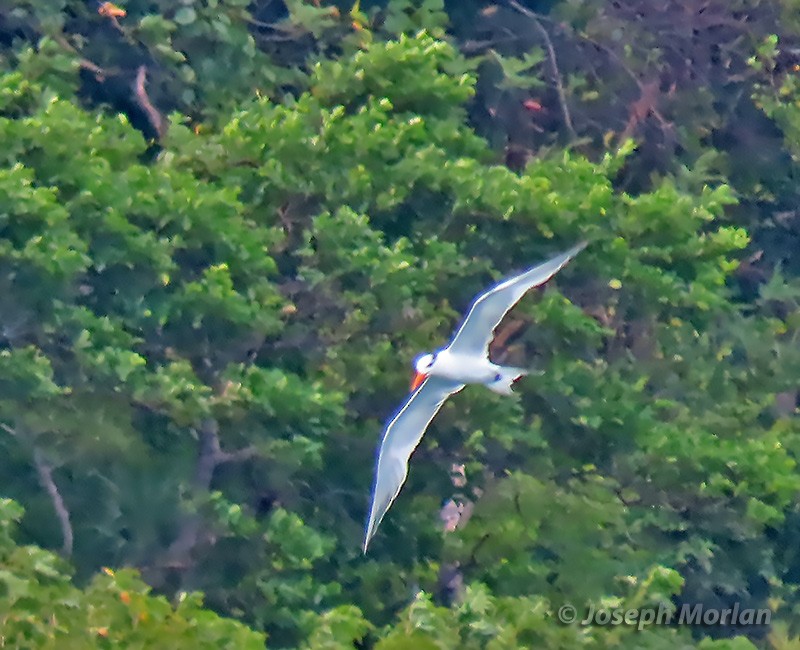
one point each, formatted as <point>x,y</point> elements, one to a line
<point>226,229</point>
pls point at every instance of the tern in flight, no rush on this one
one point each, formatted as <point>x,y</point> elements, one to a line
<point>444,373</point>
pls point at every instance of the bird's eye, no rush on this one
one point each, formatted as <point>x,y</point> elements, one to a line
<point>424,363</point>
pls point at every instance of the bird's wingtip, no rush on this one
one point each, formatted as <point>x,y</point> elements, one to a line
<point>369,533</point>
<point>577,248</point>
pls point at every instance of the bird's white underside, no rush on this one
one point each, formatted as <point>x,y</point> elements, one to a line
<point>464,361</point>
<point>464,369</point>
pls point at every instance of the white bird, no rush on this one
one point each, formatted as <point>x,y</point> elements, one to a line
<point>444,373</point>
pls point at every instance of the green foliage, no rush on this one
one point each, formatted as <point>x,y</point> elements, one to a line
<point>780,99</point>
<point>201,341</point>
<point>518,72</point>
<point>42,608</point>
<point>406,17</point>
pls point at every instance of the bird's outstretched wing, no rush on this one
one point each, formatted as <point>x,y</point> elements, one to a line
<point>402,436</point>
<point>488,309</point>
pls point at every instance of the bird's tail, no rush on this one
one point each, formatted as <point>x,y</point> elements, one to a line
<point>505,378</point>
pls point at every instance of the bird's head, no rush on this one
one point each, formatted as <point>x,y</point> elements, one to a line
<point>422,366</point>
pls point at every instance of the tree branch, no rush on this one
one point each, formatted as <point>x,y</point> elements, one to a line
<point>236,456</point>
<point>537,18</point>
<point>84,63</point>
<point>45,473</point>
<point>8,429</point>
<point>210,456</point>
<point>498,348</point>
<point>140,93</point>
<point>551,55</point>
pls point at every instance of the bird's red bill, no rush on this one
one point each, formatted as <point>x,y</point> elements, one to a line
<point>419,377</point>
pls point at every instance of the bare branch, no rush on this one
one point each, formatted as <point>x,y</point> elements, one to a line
<point>478,47</point>
<point>84,63</point>
<point>237,456</point>
<point>646,104</point>
<point>613,54</point>
<point>140,93</point>
<point>551,55</point>
<point>45,473</point>
<point>210,456</point>
<point>8,429</point>
<point>498,348</point>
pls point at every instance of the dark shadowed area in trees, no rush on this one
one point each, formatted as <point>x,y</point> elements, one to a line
<point>228,227</point>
